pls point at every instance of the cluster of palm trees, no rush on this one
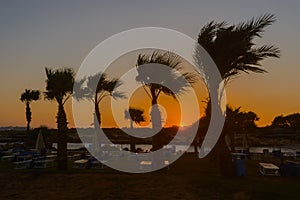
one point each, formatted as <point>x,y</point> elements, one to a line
<point>232,48</point>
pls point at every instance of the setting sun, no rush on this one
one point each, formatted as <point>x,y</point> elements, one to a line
<point>182,124</point>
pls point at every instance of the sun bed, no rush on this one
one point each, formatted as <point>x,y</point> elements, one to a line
<point>24,157</point>
<point>23,164</point>
<point>8,158</point>
<point>82,163</point>
<point>43,163</point>
<point>268,169</point>
<point>96,164</point>
<point>148,164</point>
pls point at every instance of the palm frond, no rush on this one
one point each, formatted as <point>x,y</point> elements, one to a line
<point>59,83</point>
<point>156,77</point>
<point>232,47</point>
<point>255,26</point>
<point>30,95</point>
<point>135,114</point>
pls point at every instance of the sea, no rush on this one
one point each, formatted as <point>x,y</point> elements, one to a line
<point>287,149</point>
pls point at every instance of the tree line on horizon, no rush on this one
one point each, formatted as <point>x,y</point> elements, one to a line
<point>232,48</point>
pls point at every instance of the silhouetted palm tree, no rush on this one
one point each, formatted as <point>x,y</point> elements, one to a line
<point>59,87</point>
<point>239,122</point>
<point>234,51</point>
<point>27,97</point>
<point>155,82</point>
<point>232,47</point>
<point>96,89</point>
<point>134,115</point>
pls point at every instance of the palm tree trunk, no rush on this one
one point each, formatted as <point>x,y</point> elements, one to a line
<point>98,114</point>
<point>132,144</point>
<point>157,142</point>
<point>225,159</point>
<point>221,151</point>
<point>132,141</point>
<point>156,125</point>
<point>131,123</point>
<point>61,118</point>
<point>62,141</point>
<point>28,116</point>
<point>195,146</point>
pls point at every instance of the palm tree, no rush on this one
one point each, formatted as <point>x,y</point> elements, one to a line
<point>27,97</point>
<point>241,122</point>
<point>234,52</point>
<point>97,88</point>
<point>59,87</point>
<point>232,47</point>
<point>203,124</point>
<point>134,115</point>
<point>155,82</point>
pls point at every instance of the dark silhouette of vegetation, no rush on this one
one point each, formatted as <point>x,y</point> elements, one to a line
<point>27,97</point>
<point>155,82</point>
<point>59,87</point>
<point>97,88</point>
<point>134,115</point>
<point>203,124</point>
<point>238,122</point>
<point>291,121</point>
<point>233,49</point>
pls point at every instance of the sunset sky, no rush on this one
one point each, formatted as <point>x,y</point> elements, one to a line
<point>39,34</point>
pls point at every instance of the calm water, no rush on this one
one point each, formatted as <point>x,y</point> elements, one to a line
<point>178,148</point>
<point>289,149</point>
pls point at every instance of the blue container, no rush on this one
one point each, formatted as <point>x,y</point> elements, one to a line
<point>240,167</point>
<point>290,169</point>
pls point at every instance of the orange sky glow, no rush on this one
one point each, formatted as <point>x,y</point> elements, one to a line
<point>42,34</point>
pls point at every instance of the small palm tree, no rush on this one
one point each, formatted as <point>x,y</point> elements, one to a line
<point>134,115</point>
<point>27,97</point>
<point>97,88</point>
<point>156,83</point>
<point>59,87</point>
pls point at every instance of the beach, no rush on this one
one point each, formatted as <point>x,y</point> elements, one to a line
<point>187,178</point>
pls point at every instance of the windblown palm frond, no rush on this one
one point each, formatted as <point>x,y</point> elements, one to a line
<point>157,78</point>
<point>59,84</point>
<point>135,114</point>
<point>232,47</point>
<point>30,95</point>
<point>95,88</point>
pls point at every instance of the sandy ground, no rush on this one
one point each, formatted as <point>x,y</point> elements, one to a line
<point>187,178</point>
<point>94,186</point>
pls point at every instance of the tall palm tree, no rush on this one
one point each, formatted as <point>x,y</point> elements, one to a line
<point>59,87</point>
<point>134,115</point>
<point>233,48</point>
<point>96,89</point>
<point>234,52</point>
<point>155,82</point>
<point>27,97</point>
